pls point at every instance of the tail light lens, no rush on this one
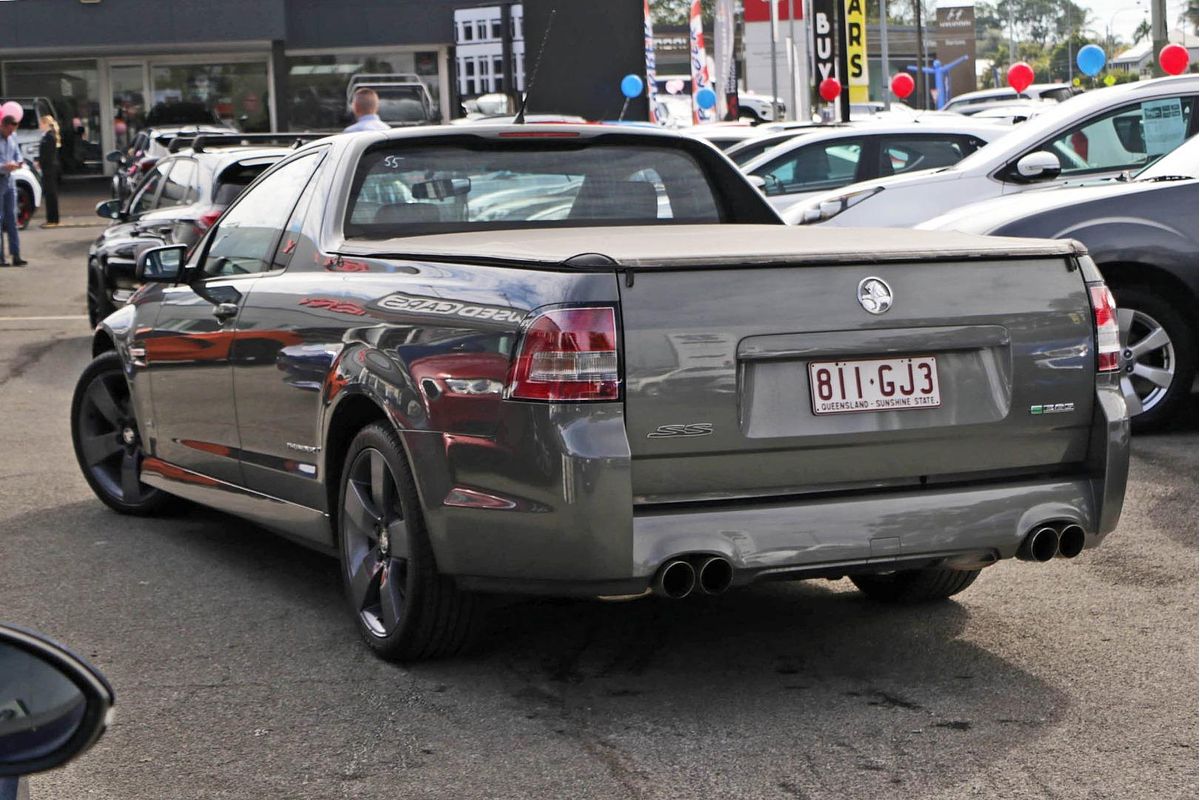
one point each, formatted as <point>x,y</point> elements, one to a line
<point>1108,332</point>
<point>208,219</point>
<point>567,355</point>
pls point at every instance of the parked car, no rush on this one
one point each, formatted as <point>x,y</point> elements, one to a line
<point>971,102</point>
<point>404,99</point>
<point>147,147</point>
<point>1095,135</point>
<point>746,151</point>
<point>817,162</point>
<point>179,200</point>
<point>723,136</point>
<point>1142,234</point>
<point>53,707</point>
<point>350,357</point>
<point>29,193</point>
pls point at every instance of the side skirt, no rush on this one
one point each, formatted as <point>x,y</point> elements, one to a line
<point>304,525</point>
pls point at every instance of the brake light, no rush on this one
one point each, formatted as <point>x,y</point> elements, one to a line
<point>567,355</point>
<point>208,219</point>
<point>1108,332</point>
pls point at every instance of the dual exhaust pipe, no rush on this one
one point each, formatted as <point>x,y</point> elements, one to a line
<point>705,574</point>
<point>1053,540</point>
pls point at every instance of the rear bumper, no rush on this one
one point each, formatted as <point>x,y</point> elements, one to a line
<point>572,529</point>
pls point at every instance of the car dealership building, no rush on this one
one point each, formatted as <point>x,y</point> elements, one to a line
<point>265,65</point>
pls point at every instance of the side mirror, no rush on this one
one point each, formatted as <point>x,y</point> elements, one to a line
<point>1039,165</point>
<point>161,264</point>
<point>109,209</point>
<point>758,182</point>
<point>53,704</point>
<point>115,156</point>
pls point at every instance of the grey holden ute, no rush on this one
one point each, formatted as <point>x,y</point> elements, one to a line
<point>589,360</point>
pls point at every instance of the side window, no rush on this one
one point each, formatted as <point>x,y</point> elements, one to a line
<point>907,153</point>
<point>147,197</point>
<point>1126,138</point>
<point>813,167</point>
<point>245,240</point>
<point>178,184</point>
<point>294,229</point>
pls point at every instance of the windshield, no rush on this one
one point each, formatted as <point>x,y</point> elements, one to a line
<point>401,191</point>
<point>1183,160</point>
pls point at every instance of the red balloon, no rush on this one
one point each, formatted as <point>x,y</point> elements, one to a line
<point>830,89</point>
<point>1020,76</point>
<point>1173,59</point>
<point>903,85</point>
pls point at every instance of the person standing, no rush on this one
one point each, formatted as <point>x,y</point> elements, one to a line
<point>366,112</point>
<point>51,170</point>
<point>10,162</point>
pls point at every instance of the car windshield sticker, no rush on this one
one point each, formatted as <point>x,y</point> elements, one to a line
<point>1163,125</point>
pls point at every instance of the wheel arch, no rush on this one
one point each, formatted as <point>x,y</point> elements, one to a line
<point>102,342</point>
<point>1172,289</point>
<point>353,412</point>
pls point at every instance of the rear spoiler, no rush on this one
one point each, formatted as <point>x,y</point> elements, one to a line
<point>199,142</point>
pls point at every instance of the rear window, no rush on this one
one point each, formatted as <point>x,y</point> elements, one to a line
<point>444,188</point>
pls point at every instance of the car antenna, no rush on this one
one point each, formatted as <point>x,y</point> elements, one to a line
<point>519,119</point>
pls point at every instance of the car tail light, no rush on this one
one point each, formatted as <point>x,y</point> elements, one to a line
<point>1108,332</point>
<point>208,219</point>
<point>567,355</point>
<point>146,164</point>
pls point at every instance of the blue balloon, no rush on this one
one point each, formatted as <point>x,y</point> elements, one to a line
<point>1090,59</point>
<point>706,98</point>
<point>631,86</point>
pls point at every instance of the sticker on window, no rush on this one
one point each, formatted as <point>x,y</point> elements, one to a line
<point>1163,125</point>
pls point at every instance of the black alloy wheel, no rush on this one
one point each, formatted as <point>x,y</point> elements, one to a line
<point>25,206</point>
<point>1158,357</point>
<point>404,609</point>
<point>107,443</point>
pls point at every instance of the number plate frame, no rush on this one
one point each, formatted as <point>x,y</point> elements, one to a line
<point>870,374</point>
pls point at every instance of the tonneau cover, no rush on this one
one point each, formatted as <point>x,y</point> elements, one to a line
<point>694,246</point>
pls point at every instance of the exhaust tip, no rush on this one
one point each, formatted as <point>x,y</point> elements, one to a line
<point>715,575</point>
<point>1041,545</point>
<point>675,580</point>
<point>1071,540</point>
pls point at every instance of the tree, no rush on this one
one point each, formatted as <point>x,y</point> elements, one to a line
<point>677,12</point>
<point>1142,31</point>
<point>1191,16</point>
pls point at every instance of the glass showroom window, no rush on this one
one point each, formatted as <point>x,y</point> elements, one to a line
<point>317,83</point>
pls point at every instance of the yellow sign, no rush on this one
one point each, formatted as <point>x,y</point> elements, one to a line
<point>1110,79</point>
<point>856,50</point>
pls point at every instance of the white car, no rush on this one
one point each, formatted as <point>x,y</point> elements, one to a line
<point>1095,135</point>
<point>29,194</point>
<point>817,162</point>
<point>1046,92</point>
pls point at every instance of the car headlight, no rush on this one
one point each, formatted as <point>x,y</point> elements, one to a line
<point>828,209</point>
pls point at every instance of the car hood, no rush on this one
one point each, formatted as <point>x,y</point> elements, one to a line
<point>699,246</point>
<point>990,215</point>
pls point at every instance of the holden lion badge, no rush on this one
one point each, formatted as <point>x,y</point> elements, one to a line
<point>874,295</point>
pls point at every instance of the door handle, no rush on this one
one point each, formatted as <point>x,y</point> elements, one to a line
<point>224,311</point>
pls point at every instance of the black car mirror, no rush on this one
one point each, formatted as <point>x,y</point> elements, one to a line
<point>109,209</point>
<point>441,188</point>
<point>53,705</point>
<point>1039,165</point>
<point>115,156</point>
<point>161,264</point>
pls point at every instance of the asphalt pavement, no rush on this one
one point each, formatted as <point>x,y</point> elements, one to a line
<point>238,672</point>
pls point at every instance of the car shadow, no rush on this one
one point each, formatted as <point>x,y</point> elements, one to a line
<point>796,683</point>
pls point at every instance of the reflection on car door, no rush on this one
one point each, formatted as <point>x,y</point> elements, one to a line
<point>190,349</point>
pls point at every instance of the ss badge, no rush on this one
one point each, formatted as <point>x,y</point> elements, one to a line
<point>668,431</point>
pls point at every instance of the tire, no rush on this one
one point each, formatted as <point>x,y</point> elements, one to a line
<point>404,610</point>
<point>98,304</point>
<point>25,206</point>
<point>107,445</point>
<point>915,585</point>
<point>1169,360</point>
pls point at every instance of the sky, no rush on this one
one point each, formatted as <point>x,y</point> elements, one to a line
<point>1124,23</point>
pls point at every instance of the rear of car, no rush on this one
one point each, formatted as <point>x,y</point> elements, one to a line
<point>767,398</point>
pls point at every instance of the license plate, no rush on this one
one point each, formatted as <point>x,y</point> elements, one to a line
<point>888,384</point>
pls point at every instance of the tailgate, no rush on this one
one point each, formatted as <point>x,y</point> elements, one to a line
<point>741,382</point>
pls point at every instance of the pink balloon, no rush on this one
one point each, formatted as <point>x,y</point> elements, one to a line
<point>12,109</point>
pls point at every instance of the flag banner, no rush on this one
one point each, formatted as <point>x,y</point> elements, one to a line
<point>700,77</point>
<point>856,51</point>
<point>651,68</point>
<point>727,89</point>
